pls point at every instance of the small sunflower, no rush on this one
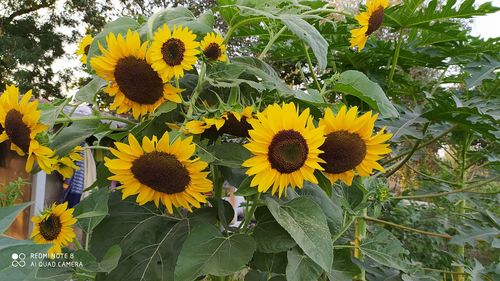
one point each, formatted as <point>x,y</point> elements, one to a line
<point>232,123</point>
<point>350,145</point>
<point>66,165</point>
<point>213,47</point>
<point>160,171</point>
<point>83,48</point>
<point>370,21</point>
<point>286,148</point>
<point>20,120</point>
<point>134,83</point>
<point>54,226</point>
<point>173,51</point>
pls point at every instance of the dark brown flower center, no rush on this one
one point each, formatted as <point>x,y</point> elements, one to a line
<point>17,130</point>
<point>343,151</point>
<point>138,81</point>
<point>86,49</point>
<point>50,227</point>
<point>212,51</point>
<point>173,51</point>
<point>375,20</point>
<point>288,151</point>
<point>236,128</point>
<point>162,172</point>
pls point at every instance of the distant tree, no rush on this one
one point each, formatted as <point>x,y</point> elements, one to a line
<point>31,40</point>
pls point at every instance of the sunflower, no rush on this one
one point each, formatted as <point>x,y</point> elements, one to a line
<point>350,145</point>
<point>83,48</point>
<point>158,170</point>
<point>213,47</point>
<point>174,51</point>
<point>20,120</point>
<point>370,21</point>
<point>134,83</point>
<point>54,226</point>
<point>66,165</point>
<point>232,123</point>
<point>286,148</point>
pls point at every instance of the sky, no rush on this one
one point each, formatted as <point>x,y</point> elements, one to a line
<point>483,26</point>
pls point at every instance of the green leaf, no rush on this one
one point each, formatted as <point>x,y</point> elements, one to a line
<point>356,83</point>
<point>73,136</point>
<point>269,235</point>
<point>312,96</point>
<point>310,35</point>
<point>343,269</point>
<point>88,92</point>
<point>229,154</point>
<point>307,224</point>
<point>181,16</point>
<point>93,209</point>
<point>301,268</point>
<point>384,248</point>
<point>406,124</point>
<point>244,189</point>
<point>207,251</point>
<point>50,112</point>
<point>329,204</point>
<point>165,108</point>
<point>474,233</point>
<point>150,241</point>
<point>269,262</point>
<point>118,26</point>
<point>23,248</point>
<point>9,214</point>
<point>107,264</point>
<point>481,70</point>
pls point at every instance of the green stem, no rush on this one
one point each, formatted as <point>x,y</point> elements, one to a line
<point>460,250</point>
<point>272,39</point>
<point>197,90</point>
<point>88,118</point>
<point>241,23</point>
<point>77,243</point>
<point>422,145</point>
<point>311,69</point>
<point>359,235</point>
<point>249,216</point>
<point>395,58</point>
<point>409,155</point>
<point>344,229</point>
<point>407,228</point>
<point>441,194</point>
<point>96,147</point>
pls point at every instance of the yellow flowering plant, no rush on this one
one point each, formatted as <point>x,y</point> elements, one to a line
<point>269,149</point>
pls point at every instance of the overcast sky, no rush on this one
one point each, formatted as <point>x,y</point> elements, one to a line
<point>484,26</point>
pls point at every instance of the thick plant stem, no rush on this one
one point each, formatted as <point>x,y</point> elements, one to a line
<point>272,39</point>
<point>311,69</point>
<point>395,58</point>
<point>197,90</point>
<point>88,118</point>
<point>410,229</point>
<point>249,215</point>
<point>359,235</point>
<point>460,250</point>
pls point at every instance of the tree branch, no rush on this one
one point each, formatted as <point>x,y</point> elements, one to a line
<point>26,10</point>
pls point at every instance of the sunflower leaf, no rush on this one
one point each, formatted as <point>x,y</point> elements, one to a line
<point>300,267</point>
<point>208,251</point>
<point>356,83</point>
<point>9,214</point>
<point>307,224</point>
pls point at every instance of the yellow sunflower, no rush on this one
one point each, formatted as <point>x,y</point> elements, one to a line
<point>160,171</point>
<point>54,226</point>
<point>66,165</point>
<point>286,148</point>
<point>134,83</point>
<point>232,123</point>
<point>173,51</point>
<point>350,145</point>
<point>370,21</point>
<point>20,120</point>
<point>213,47</point>
<point>83,48</point>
